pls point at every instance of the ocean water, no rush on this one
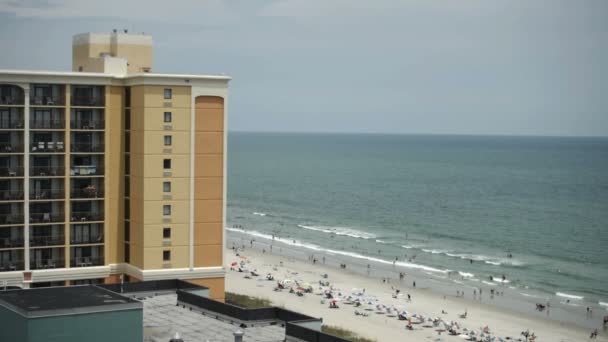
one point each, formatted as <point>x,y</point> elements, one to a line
<point>456,205</point>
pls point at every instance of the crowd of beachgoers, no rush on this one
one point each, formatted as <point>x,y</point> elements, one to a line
<point>385,303</point>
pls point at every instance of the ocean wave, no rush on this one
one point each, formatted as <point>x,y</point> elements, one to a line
<point>345,231</point>
<point>408,247</point>
<point>297,243</point>
<point>569,296</point>
<point>500,280</point>
<point>433,251</point>
<point>532,296</point>
<point>466,275</point>
<point>603,304</point>
<point>256,213</point>
<point>488,283</point>
<point>495,263</point>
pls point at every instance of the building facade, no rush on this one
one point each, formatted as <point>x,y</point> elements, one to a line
<point>112,172</point>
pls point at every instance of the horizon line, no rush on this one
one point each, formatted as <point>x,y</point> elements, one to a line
<point>422,134</point>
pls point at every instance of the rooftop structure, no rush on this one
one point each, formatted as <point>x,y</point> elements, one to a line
<point>66,314</point>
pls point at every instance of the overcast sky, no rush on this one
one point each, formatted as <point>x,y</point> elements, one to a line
<point>417,66</point>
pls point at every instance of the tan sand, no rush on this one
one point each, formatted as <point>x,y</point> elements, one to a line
<point>380,327</point>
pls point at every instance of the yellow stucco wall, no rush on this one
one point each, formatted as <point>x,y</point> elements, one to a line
<point>148,151</point>
<point>209,171</point>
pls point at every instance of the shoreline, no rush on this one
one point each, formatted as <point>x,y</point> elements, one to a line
<point>428,285</point>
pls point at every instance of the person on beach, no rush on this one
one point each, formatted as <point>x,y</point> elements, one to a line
<point>323,260</point>
<point>414,283</point>
<point>594,334</point>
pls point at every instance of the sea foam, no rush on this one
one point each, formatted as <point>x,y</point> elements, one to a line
<point>297,243</point>
<point>569,296</point>
<point>345,231</point>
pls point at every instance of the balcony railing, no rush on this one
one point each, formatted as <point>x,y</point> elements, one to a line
<point>40,264</point>
<point>44,240</point>
<point>47,124</point>
<point>46,217</point>
<point>47,146</point>
<point>47,171</point>
<point>12,100</point>
<point>86,216</point>
<point>12,124</point>
<point>47,101</point>
<point>87,124</point>
<point>11,219</point>
<point>47,194</point>
<point>84,147</point>
<point>11,148</point>
<point>11,195</point>
<point>16,171</point>
<point>88,101</point>
<point>95,238</point>
<point>86,261</point>
<point>7,266</point>
<point>11,242</point>
<point>88,192</point>
<point>86,170</point>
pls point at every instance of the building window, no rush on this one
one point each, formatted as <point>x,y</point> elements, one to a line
<point>127,253</point>
<point>166,233</point>
<point>166,255</point>
<point>167,186</point>
<point>168,94</point>
<point>167,209</point>
<point>168,140</point>
<point>168,117</point>
<point>166,164</point>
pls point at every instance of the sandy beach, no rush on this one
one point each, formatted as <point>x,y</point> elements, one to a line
<point>385,327</point>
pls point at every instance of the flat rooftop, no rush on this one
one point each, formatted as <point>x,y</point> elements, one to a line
<point>162,319</point>
<point>53,301</point>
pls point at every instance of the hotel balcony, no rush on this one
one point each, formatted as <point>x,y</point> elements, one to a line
<point>52,165</point>
<point>88,96</point>
<point>47,118</point>
<point>11,237</point>
<point>11,261</point>
<point>86,256</point>
<point>11,190</point>
<point>90,165</point>
<point>86,211</point>
<point>46,212</point>
<point>86,188</point>
<point>46,189</point>
<point>11,95</point>
<point>11,142</point>
<point>87,142</point>
<point>47,142</point>
<point>87,119</point>
<point>11,118</point>
<point>47,95</point>
<point>42,236</point>
<point>11,213</point>
<point>11,165</point>
<point>44,258</point>
<point>86,234</point>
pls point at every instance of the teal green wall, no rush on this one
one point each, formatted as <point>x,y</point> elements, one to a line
<point>116,326</point>
<point>13,327</point>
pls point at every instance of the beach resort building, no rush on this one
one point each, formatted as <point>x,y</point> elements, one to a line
<point>111,172</point>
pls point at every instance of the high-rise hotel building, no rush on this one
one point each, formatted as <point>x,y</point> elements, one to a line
<point>111,171</point>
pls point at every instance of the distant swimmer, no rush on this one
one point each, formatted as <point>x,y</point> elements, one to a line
<point>510,255</point>
<point>471,260</point>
